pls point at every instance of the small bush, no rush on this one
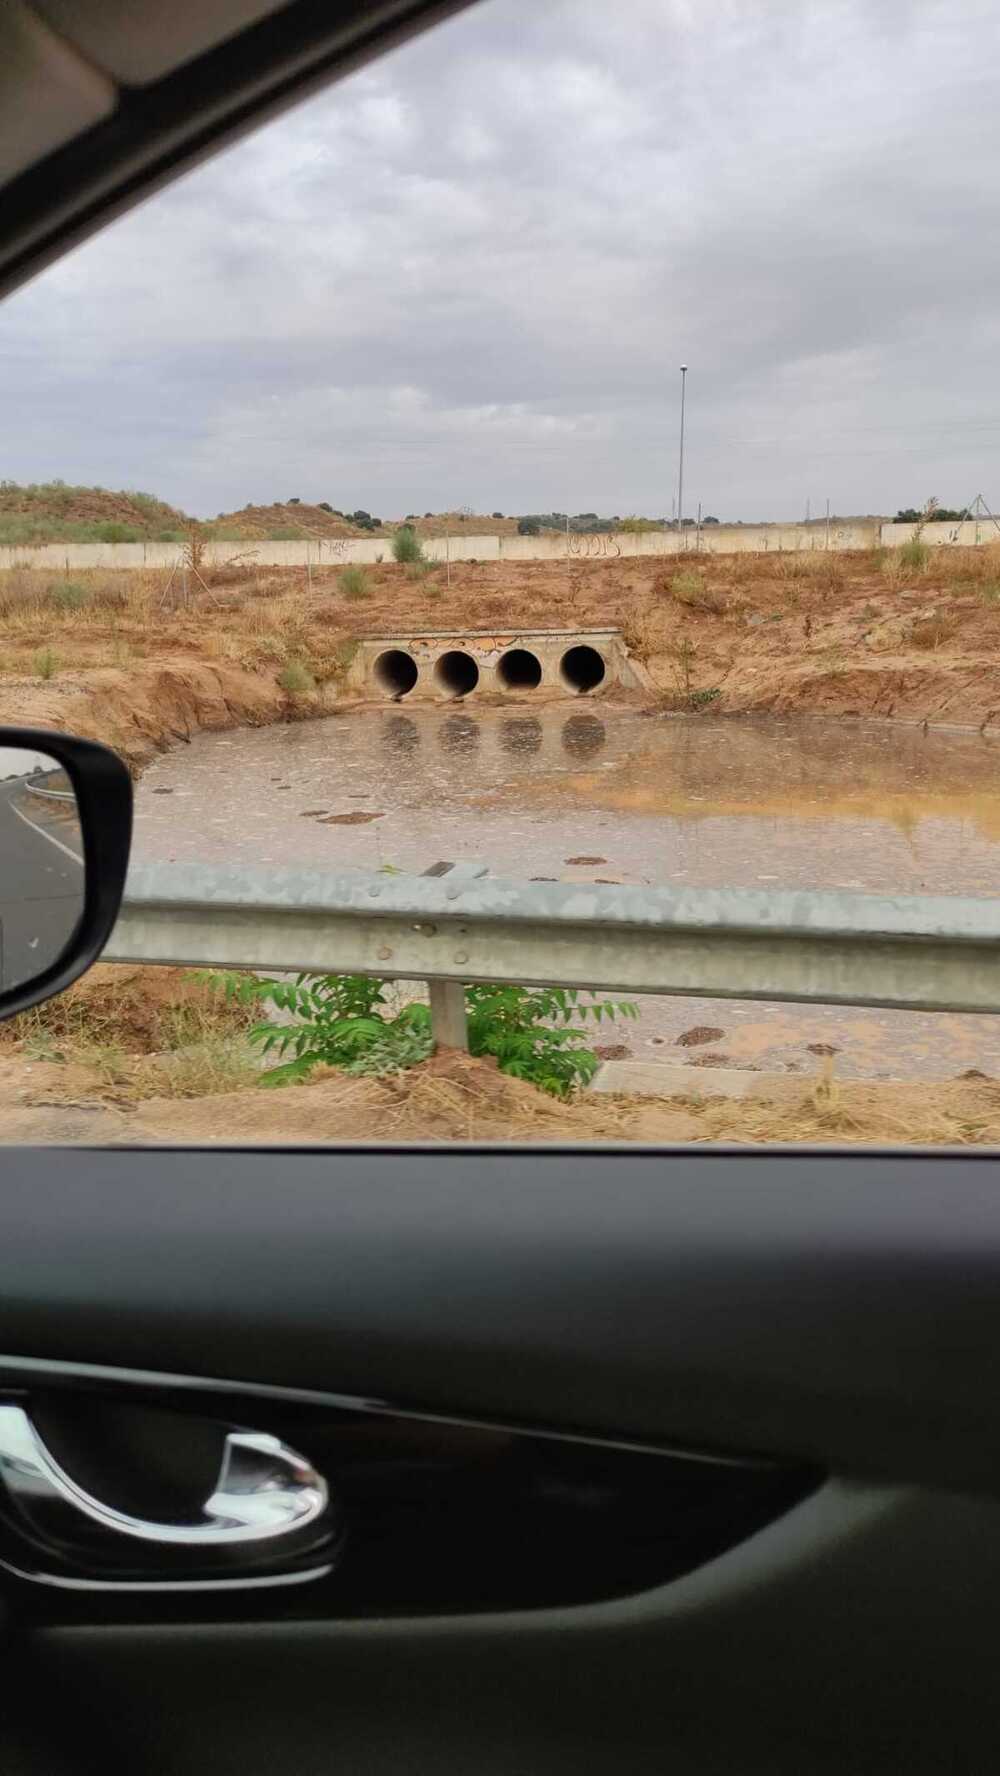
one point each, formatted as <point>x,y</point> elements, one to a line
<point>68,595</point>
<point>344,1020</point>
<point>353,583</point>
<point>914,555</point>
<point>688,588</point>
<point>406,546</point>
<point>46,663</point>
<point>792,567</point>
<point>114,532</point>
<point>296,679</point>
<point>930,632</point>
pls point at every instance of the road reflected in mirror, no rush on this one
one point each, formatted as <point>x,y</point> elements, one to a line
<point>41,865</point>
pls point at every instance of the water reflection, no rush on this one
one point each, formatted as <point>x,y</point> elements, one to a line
<point>692,802</point>
<point>458,735</point>
<point>583,735</point>
<point>400,734</point>
<point>521,734</point>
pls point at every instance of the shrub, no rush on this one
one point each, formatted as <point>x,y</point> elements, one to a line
<point>688,588</point>
<point>914,555</point>
<point>114,532</point>
<point>406,546</point>
<point>353,583</point>
<point>930,632</point>
<point>325,506</point>
<point>529,527</point>
<point>68,595</point>
<point>528,1031</point>
<point>341,1020</point>
<point>46,662</point>
<point>296,679</point>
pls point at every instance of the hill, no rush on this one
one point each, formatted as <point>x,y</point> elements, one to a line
<point>53,512</point>
<point>288,521</point>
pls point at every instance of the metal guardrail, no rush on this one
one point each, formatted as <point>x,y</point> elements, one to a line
<point>926,953</point>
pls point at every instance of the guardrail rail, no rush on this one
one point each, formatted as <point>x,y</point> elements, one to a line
<point>913,952</point>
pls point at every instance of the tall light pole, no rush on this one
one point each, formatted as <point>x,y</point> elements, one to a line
<point>680,472</point>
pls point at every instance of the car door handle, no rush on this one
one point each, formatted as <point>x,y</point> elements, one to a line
<point>265,1492</point>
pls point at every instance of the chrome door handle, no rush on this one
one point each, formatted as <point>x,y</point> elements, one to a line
<point>265,1492</point>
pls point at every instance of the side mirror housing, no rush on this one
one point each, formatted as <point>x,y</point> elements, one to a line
<point>65,833</point>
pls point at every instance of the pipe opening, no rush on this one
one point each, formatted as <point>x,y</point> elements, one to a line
<point>395,672</point>
<point>519,670</point>
<point>581,668</point>
<point>456,673</point>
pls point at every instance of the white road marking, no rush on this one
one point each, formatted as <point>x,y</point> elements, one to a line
<point>40,830</point>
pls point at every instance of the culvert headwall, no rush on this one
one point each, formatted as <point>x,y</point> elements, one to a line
<point>453,664</point>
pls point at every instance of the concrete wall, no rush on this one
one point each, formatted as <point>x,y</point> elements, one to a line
<point>335,552</point>
<point>715,539</point>
<point>970,534</point>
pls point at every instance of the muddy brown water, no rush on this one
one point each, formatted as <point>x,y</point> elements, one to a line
<point>599,793</point>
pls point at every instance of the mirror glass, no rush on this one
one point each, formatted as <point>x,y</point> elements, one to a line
<point>42,870</point>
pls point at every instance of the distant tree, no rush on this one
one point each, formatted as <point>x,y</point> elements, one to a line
<point>497,514</point>
<point>293,502</point>
<point>910,515</point>
<point>710,520</point>
<point>325,506</point>
<point>529,527</point>
<point>363,520</point>
<point>428,514</point>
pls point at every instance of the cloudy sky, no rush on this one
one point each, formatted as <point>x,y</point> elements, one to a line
<point>468,276</point>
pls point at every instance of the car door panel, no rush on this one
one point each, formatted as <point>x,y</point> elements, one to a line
<point>823,1321</point>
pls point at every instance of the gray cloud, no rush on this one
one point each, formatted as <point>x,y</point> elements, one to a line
<point>469,274</point>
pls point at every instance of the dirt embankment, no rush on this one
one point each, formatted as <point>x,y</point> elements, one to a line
<point>123,658</point>
<point>91,1075</point>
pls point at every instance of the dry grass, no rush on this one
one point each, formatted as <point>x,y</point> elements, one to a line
<point>645,628</point>
<point>455,1098</point>
<point>132,1010</point>
<point>693,590</point>
<point>932,632</point>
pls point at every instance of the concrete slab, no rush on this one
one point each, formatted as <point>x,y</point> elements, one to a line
<point>663,1079</point>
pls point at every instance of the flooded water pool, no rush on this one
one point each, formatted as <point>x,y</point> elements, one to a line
<point>618,795</point>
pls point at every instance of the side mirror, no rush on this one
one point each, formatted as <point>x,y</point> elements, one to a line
<point>65,831</point>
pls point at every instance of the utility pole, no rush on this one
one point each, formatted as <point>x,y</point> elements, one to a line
<point>828,524</point>
<point>680,469</point>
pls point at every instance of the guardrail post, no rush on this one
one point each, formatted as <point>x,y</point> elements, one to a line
<point>449,1027</point>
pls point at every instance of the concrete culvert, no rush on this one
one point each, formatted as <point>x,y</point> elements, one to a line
<point>519,670</point>
<point>395,672</point>
<point>456,673</point>
<point>581,668</point>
